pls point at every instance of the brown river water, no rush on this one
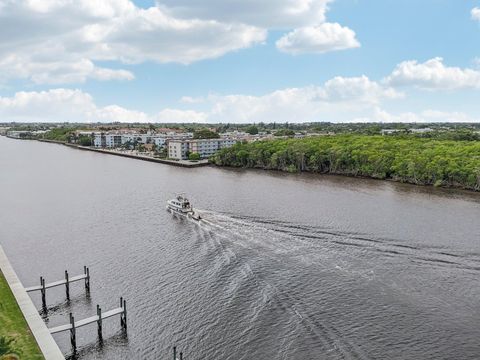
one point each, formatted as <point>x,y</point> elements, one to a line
<point>283,266</point>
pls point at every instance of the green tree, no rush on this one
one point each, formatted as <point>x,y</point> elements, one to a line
<point>406,158</point>
<point>162,153</point>
<point>59,134</point>
<point>252,130</point>
<point>194,156</point>
<point>85,140</point>
<point>284,132</point>
<point>205,134</point>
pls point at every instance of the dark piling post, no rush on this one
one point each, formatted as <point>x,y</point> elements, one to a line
<point>181,355</point>
<point>86,271</point>
<point>174,353</point>
<point>73,337</point>
<point>67,285</point>
<point>42,284</point>
<point>99,322</point>
<point>123,315</point>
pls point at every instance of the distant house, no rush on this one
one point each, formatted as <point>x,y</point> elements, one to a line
<point>149,147</point>
<point>19,134</point>
<point>3,130</point>
<point>420,131</point>
<point>391,131</point>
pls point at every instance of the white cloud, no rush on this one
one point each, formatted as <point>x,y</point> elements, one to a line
<point>63,41</point>
<point>277,14</point>
<point>180,116</point>
<point>66,105</point>
<point>339,99</point>
<point>447,116</point>
<point>191,100</point>
<point>59,41</point>
<point>57,72</point>
<point>318,39</point>
<point>114,113</point>
<point>476,13</point>
<point>423,116</point>
<point>60,105</point>
<point>357,88</point>
<point>380,115</point>
<point>152,35</point>
<point>433,75</point>
<point>476,63</point>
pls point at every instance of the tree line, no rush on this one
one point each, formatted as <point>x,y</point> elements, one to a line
<point>410,159</point>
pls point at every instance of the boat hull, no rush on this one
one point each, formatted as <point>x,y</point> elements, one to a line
<point>191,214</point>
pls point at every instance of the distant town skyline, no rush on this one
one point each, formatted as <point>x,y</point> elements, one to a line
<point>237,61</point>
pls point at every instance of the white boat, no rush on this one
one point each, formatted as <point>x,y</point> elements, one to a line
<point>181,206</point>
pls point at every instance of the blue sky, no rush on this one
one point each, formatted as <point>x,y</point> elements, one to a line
<point>337,65</point>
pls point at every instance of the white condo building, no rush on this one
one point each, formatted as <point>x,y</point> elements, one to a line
<point>179,149</point>
<point>114,140</point>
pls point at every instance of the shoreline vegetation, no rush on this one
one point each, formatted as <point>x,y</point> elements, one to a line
<point>407,159</point>
<point>435,154</point>
<point>16,339</point>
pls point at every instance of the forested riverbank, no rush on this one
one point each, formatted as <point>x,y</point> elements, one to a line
<point>422,161</point>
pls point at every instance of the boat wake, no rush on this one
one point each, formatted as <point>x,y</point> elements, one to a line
<point>316,287</point>
<point>404,268</point>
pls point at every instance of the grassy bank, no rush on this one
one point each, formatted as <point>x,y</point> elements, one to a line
<point>16,340</point>
<point>407,159</point>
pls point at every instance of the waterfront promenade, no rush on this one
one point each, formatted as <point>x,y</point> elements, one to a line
<point>19,316</point>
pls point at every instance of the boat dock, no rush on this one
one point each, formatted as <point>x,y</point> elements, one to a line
<point>98,319</point>
<point>43,286</point>
<point>73,325</point>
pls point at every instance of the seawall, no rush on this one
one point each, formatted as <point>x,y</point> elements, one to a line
<point>44,339</point>
<point>180,163</point>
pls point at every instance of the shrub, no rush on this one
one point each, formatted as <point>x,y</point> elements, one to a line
<point>194,156</point>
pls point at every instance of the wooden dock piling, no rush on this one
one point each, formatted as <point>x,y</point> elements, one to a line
<point>43,286</point>
<point>73,325</point>
<point>67,286</point>
<point>86,272</point>
<point>175,354</point>
<point>123,315</point>
<point>99,322</point>
<point>42,289</point>
<point>73,335</point>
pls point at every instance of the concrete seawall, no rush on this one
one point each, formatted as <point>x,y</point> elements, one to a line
<point>42,335</point>
<point>180,163</point>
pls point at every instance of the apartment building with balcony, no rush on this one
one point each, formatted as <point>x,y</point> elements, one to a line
<point>180,149</point>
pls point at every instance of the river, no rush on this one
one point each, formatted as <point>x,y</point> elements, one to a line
<point>283,266</point>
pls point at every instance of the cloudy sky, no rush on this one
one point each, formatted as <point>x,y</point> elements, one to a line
<point>239,60</point>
